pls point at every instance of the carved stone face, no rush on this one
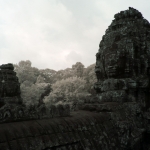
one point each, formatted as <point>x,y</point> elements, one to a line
<point>124,58</point>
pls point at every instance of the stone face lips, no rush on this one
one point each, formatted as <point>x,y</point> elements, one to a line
<point>124,52</point>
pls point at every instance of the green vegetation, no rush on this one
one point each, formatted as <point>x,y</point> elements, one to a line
<point>55,87</point>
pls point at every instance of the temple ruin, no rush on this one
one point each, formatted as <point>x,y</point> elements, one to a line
<point>118,118</point>
<point>123,60</point>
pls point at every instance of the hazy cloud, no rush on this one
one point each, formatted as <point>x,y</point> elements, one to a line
<point>56,33</point>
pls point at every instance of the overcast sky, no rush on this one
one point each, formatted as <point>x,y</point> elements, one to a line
<point>56,34</point>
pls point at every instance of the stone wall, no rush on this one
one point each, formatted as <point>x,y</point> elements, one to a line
<point>83,130</point>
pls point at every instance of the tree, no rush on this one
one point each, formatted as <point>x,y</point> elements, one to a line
<point>40,79</point>
<point>67,90</point>
<point>24,64</point>
<point>78,69</point>
<point>34,94</point>
<point>33,86</point>
<point>90,77</point>
<point>49,75</point>
<point>25,72</point>
<point>70,84</point>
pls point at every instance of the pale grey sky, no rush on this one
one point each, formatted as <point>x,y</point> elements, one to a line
<point>56,34</point>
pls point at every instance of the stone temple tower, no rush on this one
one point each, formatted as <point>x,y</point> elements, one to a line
<point>123,60</point>
<point>9,86</point>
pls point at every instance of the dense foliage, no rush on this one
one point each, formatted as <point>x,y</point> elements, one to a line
<point>63,86</point>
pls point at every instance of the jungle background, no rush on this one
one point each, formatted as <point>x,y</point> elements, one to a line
<point>70,85</point>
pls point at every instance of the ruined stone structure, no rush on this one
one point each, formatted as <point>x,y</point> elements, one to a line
<point>123,59</point>
<point>11,105</point>
<point>117,119</point>
<point>9,85</point>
